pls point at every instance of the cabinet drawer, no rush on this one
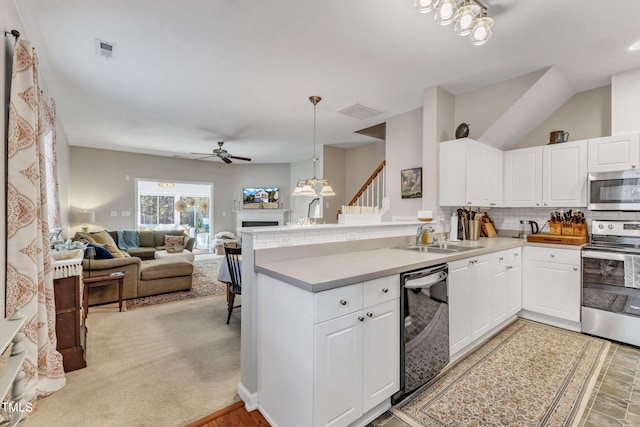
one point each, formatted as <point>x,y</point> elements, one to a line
<point>564,256</point>
<point>499,259</point>
<point>337,302</point>
<point>514,254</point>
<point>381,290</point>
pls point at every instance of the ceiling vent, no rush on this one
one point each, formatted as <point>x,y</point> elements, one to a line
<point>359,111</point>
<point>106,49</point>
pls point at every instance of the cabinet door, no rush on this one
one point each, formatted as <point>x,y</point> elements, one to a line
<point>459,305</point>
<point>553,289</point>
<point>499,292</point>
<point>478,174</point>
<point>480,296</point>
<point>338,371</point>
<point>514,288</point>
<point>565,175</point>
<point>451,190</point>
<point>496,168</point>
<point>523,177</point>
<point>381,353</point>
<point>614,153</point>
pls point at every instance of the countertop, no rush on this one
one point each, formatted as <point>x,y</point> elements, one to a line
<point>332,271</point>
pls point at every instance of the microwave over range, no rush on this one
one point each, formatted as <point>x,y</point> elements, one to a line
<point>614,191</point>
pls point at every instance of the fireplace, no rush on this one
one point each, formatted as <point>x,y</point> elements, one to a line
<point>260,217</point>
<point>259,223</point>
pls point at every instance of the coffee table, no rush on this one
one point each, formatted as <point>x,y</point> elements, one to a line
<point>185,254</point>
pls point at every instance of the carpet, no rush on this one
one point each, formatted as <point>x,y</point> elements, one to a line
<point>205,284</point>
<point>529,374</point>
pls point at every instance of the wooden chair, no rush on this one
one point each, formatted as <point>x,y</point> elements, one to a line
<point>233,262</point>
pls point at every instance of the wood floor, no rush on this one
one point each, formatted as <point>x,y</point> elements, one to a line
<point>232,416</point>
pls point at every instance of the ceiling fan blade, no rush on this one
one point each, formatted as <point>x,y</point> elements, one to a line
<point>207,156</point>
<point>225,159</point>
<point>203,154</point>
<point>241,158</point>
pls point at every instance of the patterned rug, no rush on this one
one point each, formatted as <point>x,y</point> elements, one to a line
<point>204,285</point>
<point>529,374</point>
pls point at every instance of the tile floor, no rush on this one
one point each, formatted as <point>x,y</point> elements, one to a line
<point>615,400</point>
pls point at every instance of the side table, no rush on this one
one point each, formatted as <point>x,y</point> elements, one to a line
<point>105,280</point>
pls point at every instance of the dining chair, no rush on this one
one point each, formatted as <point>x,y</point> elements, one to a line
<point>233,262</point>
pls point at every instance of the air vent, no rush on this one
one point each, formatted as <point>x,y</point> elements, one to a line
<point>106,49</point>
<point>359,111</point>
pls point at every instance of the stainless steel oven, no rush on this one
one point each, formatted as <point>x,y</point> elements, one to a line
<point>611,281</point>
<point>614,191</point>
<point>424,329</point>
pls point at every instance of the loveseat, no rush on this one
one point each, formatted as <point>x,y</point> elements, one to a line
<point>145,276</point>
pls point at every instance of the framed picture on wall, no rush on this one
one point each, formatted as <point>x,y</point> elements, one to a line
<point>411,183</point>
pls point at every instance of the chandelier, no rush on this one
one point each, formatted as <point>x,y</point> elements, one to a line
<point>307,187</point>
<point>470,17</point>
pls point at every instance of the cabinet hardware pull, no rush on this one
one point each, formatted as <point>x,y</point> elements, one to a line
<point>343,302</point>
<point>633,166</point>
<point>537,204</point>
<point>575,268</point>
<point>370,314</point>
<point>361,318</point>
<point>553,255</point>
<point>385,290</point>
<point>501,259</point>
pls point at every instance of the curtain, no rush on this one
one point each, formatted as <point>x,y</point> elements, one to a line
<point>29,268</point>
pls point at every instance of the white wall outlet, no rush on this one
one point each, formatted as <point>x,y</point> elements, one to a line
<point>114,213</point>
<point>125,213</point>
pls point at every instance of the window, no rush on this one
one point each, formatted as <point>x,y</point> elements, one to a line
<point>156,209</point>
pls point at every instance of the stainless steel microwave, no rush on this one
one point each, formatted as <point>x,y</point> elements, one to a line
<point>614,191</point>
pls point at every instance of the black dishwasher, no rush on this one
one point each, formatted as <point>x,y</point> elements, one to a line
<point>424,328</point>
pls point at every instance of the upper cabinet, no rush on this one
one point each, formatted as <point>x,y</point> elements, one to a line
<point>470,174</point>
<point>564,174</point>
<point>614,153</point>
<point>523,177</point>
<point>550,176</point>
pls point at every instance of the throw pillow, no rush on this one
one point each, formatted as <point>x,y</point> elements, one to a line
<point>80,235</point>
<point>173,240</point>
<point>103,238</point>
<point>101,252</point>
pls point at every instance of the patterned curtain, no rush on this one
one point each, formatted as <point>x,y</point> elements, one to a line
<point>29,269</point>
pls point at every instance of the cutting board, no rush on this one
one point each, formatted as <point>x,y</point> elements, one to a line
<point>557,239</point>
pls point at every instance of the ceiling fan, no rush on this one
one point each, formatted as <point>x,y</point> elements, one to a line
<point>221,153</point>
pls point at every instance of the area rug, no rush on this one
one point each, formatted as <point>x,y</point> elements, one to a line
<point>529,374</point>
<point>204,284</point>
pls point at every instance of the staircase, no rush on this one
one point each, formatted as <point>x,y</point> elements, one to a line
<point>373,193</point>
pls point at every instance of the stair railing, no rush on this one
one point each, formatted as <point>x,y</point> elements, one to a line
<point>373,192</point>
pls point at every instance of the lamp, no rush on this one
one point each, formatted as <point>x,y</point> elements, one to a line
<point>85,218</point>
<point>306,187</point>
<point>89,252</point>
<point>470,16</point>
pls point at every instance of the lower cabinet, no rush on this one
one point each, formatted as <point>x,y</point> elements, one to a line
<point>484,291</point>
<point>354,353</point>
<point>328,358</point>
<point>551,282</point>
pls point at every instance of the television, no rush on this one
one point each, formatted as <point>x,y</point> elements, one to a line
<point>260,198</point>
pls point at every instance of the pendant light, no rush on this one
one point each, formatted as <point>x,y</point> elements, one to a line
<point>306,187</point>
<point>471,17</point>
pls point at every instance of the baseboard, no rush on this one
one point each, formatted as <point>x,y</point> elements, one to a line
<point>550,320</point>
<point>250,399</point>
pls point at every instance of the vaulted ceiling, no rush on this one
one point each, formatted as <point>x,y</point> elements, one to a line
<point>185,74</point>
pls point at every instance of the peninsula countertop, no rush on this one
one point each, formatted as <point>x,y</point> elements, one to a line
<point>331,271</point>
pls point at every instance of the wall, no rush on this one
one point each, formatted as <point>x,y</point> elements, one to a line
<point>585,115</point>
<point>403,150</point>
<point>98,182</point>
<point>334,171</point>
<point>361,162</point>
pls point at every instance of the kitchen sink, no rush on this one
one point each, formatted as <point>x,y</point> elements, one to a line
<point>440,248</point>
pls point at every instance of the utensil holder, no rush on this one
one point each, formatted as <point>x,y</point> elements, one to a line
<point>555,228</point>
<point>580,229</point>
<point>472,232</point>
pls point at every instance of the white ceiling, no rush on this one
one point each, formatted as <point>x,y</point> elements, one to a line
<point>189,73</point>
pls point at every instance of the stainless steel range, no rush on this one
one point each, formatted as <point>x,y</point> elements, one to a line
<point>611,281</point>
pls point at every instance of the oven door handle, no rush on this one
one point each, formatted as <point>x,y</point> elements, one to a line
<point>603,255</point>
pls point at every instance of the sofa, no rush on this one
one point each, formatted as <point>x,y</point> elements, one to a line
<point>145,275</point>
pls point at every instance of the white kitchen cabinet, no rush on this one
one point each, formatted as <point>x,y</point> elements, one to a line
<point>523,177</point>
<point>470,174</point>
<point>564,174</point>
<point>506,285</point>
<point>469,301</point>
<point>339,351</point>
<point>614,153</point>
<point>551,282</point>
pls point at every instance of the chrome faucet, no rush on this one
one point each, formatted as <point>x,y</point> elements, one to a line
<point>422,230</point>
